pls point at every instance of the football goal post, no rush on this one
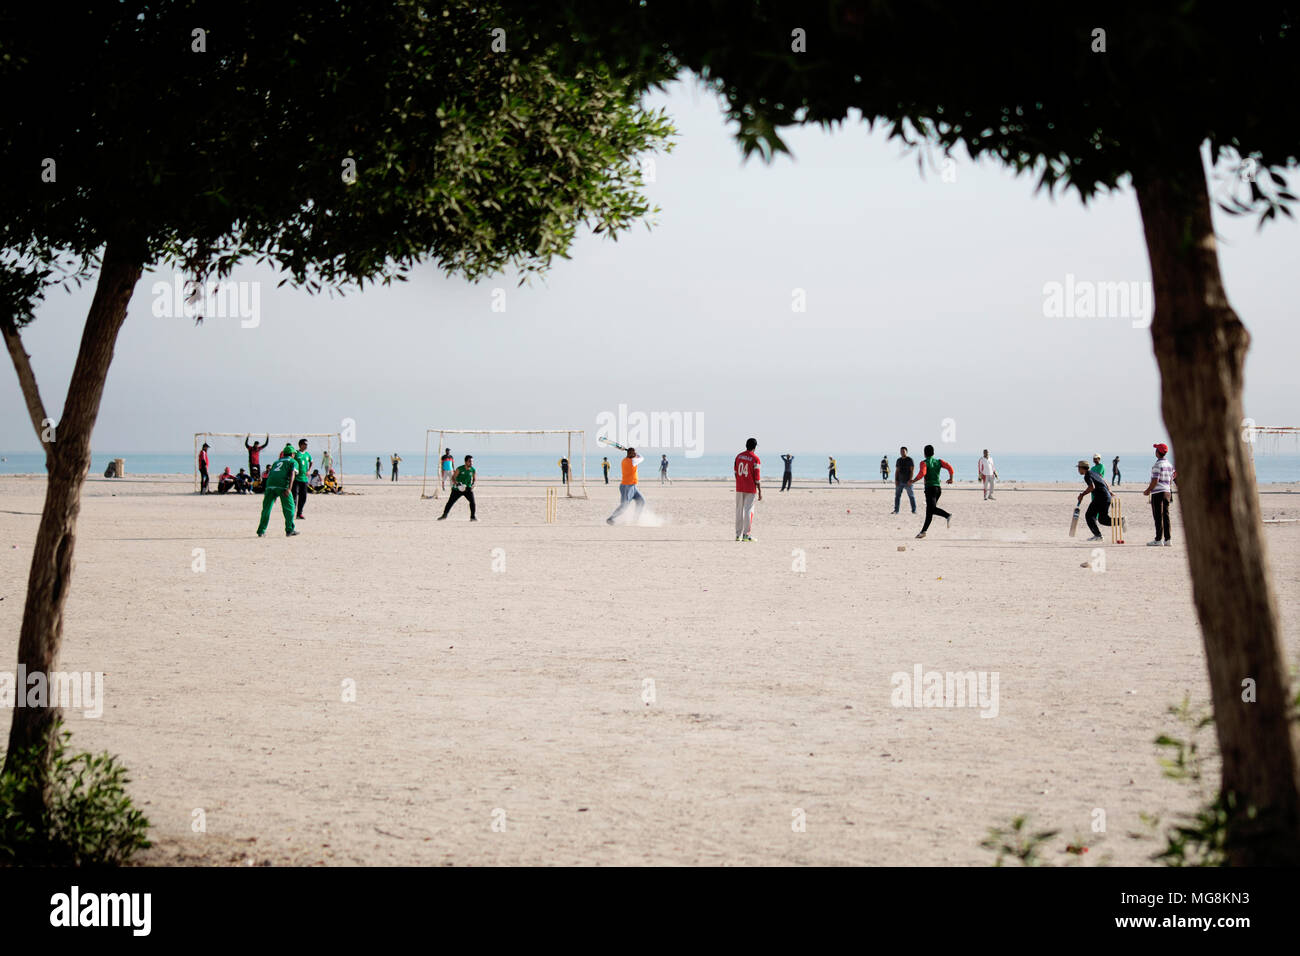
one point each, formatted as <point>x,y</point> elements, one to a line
<point>227,449</point>
<point>520,457</point>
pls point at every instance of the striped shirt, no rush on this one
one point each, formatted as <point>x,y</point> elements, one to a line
<point>1162,473</point>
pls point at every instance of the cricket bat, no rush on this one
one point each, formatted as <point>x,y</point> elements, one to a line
<point>1074,522</point>
<point>606,441</point>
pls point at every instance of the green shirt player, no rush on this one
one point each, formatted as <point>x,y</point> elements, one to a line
<point>929,470</point>
<point>279,482</point>
<point>302,458</point>
<point>462,486</point>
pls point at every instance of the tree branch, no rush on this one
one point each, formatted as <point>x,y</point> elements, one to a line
<point>26,379</point>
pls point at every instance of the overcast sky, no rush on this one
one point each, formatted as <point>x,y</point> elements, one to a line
<point>925,301</point>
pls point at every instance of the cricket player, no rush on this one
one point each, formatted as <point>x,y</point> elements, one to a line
<point>1161,490</point>
<point>748,489</point>
<point>1099,507</point>
<point>929,470</point>
<point>627,492</point>
<point>463,487</point>
<point>280,477</point>
<point>303,459</point>
<point>988,474</point>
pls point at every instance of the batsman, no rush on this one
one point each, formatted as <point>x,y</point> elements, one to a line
<point>279,481</point>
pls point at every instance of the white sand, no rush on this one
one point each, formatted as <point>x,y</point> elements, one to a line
<point>522,689</point>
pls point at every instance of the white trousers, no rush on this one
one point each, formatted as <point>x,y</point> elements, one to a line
<point>744,512</point>
<point>988,486</point>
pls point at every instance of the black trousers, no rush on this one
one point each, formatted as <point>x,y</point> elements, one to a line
<point>456,495</point>
<point>932,493</point>
<point>203,481</point>
<point>1098,511</point>
<point>299,494</point>
<point>785,481</point>
<point>394,478</point>
<point>1160,501</point>
<point>606,476</point>
<point>832,476</point>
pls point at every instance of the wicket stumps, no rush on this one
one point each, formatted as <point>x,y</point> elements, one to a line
<point>1116,521</point>
<point>552,496</point>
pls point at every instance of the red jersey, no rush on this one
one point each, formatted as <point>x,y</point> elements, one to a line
<point>747,476</point>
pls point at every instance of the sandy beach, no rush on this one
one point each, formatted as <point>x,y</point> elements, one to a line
<point>574,693</point>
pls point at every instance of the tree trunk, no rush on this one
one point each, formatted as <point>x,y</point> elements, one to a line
<point>67,461</point>
<point>1200,346</point>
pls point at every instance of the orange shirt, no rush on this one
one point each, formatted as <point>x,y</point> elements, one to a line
<point>629,470</point>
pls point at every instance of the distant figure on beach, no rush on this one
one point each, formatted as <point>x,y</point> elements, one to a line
<point>254,450</point>
<point>326,462</point>
<point>884,467</point>
<point>1099,507</point>
<point>379,469</point>
<point>627,490</point>
<point>663,470</point>
<point>279,480</point>
<point>1114,472</point>
<point>1161,490</point>
<point>203,469</point>
<point>929,470</point>
<point>243,482</point>
<point>564,471</point>
<point>332,485</point>
<point>463,487</point>
<point>988,474</point>
<point>316,482</point>
<point>445,465</point>
<point>225,481</point>
<point>397,460</point>
<point>303,458</point>
<point>788,475</point>
<point>903,479</point>
<point>1097,467</point>
<point>748,489</point>
<point>830,474</point>
<point>604,464</point>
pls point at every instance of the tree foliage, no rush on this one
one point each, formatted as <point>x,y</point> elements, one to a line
<point>236,142</point>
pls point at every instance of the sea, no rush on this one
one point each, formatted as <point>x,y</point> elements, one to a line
<point>1135,467</point>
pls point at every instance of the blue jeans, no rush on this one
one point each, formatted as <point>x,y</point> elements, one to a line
<point>898,494</point>
<point>626,495</point>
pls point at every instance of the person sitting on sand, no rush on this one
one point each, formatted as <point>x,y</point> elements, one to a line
<point>225,481</point>
<point>242,482</point>
<point>316,483</point>
<point>332,485</point>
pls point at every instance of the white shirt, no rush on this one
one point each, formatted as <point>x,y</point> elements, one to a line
<point>986,467</point>
<point>1163,474</point>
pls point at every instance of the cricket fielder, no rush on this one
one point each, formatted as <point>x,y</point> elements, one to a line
<point>748,489</point>
<point>279,481</point>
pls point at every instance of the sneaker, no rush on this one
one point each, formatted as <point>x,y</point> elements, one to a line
<point>893,512</point>
<point>261,534</point>
<point>442,517</point>
<point>292,534</point>
<point>472,518</point>
<point>1169,544</point>
<point>1095,537</point>
<point>1154,544</point>
<point>921,535</point>
<point>737,537</point>
<point>747,538</point>
<point>609,521</point>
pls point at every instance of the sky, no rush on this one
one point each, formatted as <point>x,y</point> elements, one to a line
<point>924,301</point>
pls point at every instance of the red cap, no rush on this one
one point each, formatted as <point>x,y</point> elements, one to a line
<point>1161,447</point>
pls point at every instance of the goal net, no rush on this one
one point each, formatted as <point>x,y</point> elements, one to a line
<point>226,450</point>
<point>527,460</point>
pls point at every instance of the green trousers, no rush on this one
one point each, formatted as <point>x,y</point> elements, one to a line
<point>286,505</point>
